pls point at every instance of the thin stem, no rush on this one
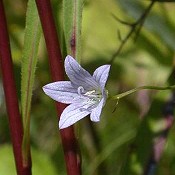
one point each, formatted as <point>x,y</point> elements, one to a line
<point>119,96</point>
<point>69,141</point>
<point>15,123</point>
<point>122,21</point>
<point>142,19</point>
<point>139,23</point>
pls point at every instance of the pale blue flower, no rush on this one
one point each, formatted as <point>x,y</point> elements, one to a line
<point>85,93</point>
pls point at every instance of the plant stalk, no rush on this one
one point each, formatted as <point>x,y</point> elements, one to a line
<point>15,123</point>
<point>68,138</point>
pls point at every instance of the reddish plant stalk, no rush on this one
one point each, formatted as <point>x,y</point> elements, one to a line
<point>15,123</point>
<point>68,138</point>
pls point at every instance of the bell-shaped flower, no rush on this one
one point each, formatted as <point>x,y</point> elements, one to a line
<point>85,93</point>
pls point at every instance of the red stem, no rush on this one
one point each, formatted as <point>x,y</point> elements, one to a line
<point>69,141</point>
<point>15,123</point>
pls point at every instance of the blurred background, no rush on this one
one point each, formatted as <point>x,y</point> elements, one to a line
<point>122,142</point>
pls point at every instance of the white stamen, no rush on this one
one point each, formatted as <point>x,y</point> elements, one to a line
<point>94,97</point>
<point>90,92</point>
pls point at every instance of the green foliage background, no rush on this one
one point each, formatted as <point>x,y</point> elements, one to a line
<point>106,146</point>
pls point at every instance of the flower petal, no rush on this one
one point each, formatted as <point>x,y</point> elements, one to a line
<point>79,76</point>
<point>72,114</point>
<point>96,112</point>
<point>101,75</point>
<point>62,91</point>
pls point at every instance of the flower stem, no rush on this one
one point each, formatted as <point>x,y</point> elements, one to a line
<point>15,123</point>
<point>119,96</point>
<point>69,141</point>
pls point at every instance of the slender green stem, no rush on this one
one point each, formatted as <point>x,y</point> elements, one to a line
<point>119,96</point>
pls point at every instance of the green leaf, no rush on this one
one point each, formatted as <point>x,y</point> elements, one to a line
<point>72,19</point>
<point>67,22</point>
<point>29,61</point>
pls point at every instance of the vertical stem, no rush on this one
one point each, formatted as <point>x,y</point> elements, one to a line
<point>69,141</point>
<point>15,123</point>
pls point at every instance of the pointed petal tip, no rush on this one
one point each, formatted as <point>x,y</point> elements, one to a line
<point>101,75</point>
<point>68,57</point>
<point>68,60</point>
<point>63,125</point>
<point>44,88</point>
<point>107,66</point>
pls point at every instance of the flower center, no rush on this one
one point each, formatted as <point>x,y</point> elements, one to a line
<point>94,95</point>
